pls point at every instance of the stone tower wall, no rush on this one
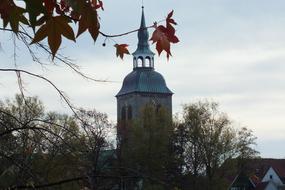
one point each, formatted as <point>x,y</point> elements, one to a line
<point>138,100</point>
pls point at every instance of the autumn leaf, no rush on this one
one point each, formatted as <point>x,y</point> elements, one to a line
<point>121,50</point>
<point>50,5</point>
<point>170,20</point>
<point>13,15</point>
<point>5,8</point>
<point>34,9</point>
<point>170,30</point>
<point>98,4</point>
<point>93,3</point>
<point>64,6</point>
<point>160,38</point>
<point>164,36</point>
<point>53,29</point>
<point>88,20</point>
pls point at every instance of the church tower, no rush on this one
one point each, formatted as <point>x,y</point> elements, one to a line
<point>143,85</point>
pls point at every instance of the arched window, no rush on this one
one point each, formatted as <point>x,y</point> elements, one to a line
<point>148,61</point>
<point>123,113</point>
<point>140,61</point>
<point>130,113</point>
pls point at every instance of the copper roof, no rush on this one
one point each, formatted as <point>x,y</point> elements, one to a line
<point>145,80</point>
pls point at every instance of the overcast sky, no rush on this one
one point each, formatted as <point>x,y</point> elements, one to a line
<point>231,52</point>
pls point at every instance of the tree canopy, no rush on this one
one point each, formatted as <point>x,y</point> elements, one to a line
<point>205,138</point>
<point>40,149</point>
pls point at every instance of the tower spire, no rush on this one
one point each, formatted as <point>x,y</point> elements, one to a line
<point>143,35</point>
<point>143,51</point>
<point>142,19</point>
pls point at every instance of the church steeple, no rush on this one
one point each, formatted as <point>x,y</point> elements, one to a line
<point>143,56</point>
<point>143,86</point>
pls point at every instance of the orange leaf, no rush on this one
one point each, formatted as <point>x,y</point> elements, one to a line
<point>121,50</point>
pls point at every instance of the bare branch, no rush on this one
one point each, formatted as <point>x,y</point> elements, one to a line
<point>58,57</point>
<point>123,34</point>
<point>61,93</point>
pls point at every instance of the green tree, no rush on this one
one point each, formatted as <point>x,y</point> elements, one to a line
<point>147,147</point>
<point>211,140</point>
<point>48,150</point>
<point>97,153</point>
<point>20,134</point>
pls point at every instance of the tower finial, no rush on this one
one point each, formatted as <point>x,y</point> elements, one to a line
<point>143,25</point>
<point>143,34</point>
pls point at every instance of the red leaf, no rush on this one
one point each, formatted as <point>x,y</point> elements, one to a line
<point>50,5</point>
<point>88,20</point>
<point>170,15</point>
<point>64,6</point>
<point>160,38</point>
<point>75,15</point>
<point>100,5</point>
<point>121,50</point>
<point>164,36</point>
<point>169,20</point>
<point>93,3</point>
<point>58,9</point>
<point>5,8</point>
<point>173,39</point>
<point>97,4</point>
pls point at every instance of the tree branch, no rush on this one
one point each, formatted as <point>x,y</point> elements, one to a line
<point>48,184</point>
<point>123,34</point>
<point>61,93</point>
<point>57,57</point>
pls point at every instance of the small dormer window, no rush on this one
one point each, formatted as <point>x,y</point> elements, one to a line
<point>271,177</point>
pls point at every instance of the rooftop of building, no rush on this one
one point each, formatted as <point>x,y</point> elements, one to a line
<point>146,80</point>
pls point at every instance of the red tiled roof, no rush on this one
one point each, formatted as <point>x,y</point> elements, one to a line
<point>257,168</point>
<point>262,165</point>
<point>261,186</point>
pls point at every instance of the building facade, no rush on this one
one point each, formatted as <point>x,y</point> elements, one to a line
<point>261,174</point>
